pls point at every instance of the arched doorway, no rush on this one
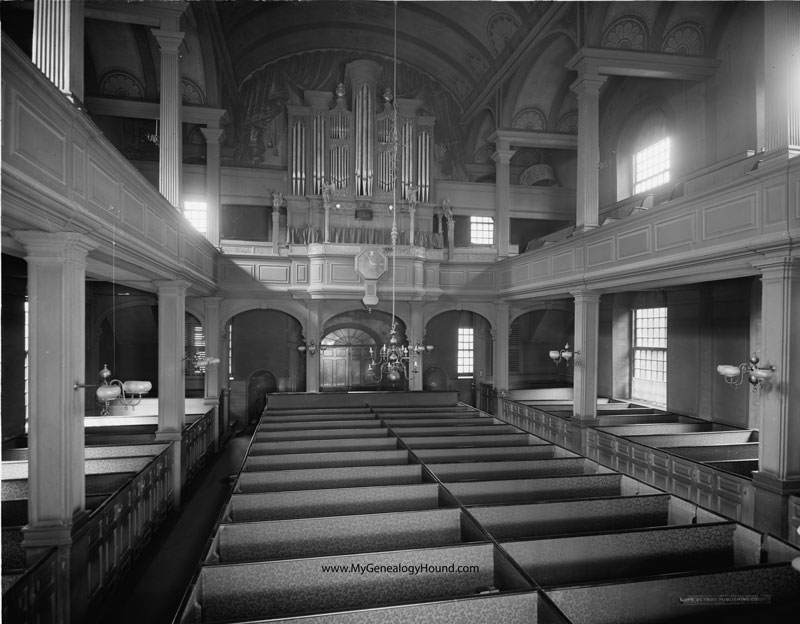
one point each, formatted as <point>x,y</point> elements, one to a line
<point>344,364</point>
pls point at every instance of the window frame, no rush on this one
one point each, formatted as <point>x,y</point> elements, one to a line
<point>465,352</point>
<point>653,164</point>
<point>482,228</point>
<point>190,208</point>
<point>655,336</point>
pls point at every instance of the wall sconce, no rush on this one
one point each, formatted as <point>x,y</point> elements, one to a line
<point>735,375</point>
<point>562,354</point>
<point>310,348</point>
<point>129,393</point>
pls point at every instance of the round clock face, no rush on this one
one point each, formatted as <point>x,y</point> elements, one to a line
<point>371,263</point>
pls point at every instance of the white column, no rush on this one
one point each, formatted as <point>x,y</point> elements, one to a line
<point>213,333</point>
<point>587,330</point>
<point>502,326</point>
<point>782,78</point>
<point>587,88</point>
<point>57,346</point>
<point>778,472</point>
<point>171,376</point>
<point>312,332</point>
<point>502,157</point>
<point>213,167</point>
<point>170,140</point>
<point>58,44</point>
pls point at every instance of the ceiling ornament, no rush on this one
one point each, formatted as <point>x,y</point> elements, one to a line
<point>530,119</point>
<point>626,33</point>
<point>120,83</point>
<point>685,39</point>
<point>501,27</point>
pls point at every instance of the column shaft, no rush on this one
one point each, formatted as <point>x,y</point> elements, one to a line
<point>587,329</point>
<point>58,43</point>
<point>213,331</point>
<point>502,158</point>
<point>782,77</point>
<point>170,137</point>
<point>587,88</point>
<point>500,365</point>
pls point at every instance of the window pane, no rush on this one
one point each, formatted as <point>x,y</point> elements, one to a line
<point>465,351</point>
<point>651,166</point>
<point>649,379</point>
<point>481,230</point>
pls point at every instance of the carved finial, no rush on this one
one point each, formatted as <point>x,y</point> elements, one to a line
<point>340,90</point>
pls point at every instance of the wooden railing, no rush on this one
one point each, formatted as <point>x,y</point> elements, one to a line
<point>196,445</point>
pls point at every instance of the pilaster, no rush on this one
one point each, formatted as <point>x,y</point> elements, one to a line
<point>502,326</point>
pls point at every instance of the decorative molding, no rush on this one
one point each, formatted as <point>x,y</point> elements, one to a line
<point>628,32</point>
<point>685,39</point>
<point>121,83</point>
<point>530,119</point>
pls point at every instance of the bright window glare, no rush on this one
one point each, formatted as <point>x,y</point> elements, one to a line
<point>651,166</point>
<point>197,214</point>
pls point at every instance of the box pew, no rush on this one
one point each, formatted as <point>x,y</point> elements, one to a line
<point>321,434</point>
<point>294,461</point>
<point>425,416</point>
<point>488,453</point>
<point>275,589</point>
<point>260,447</point>
<point>463,441</point>
<point>269,425</point>
<point>455,430</point>
<point>717,452</point>
<point>657,428</point>
<point>290,416</point>
<point>568,517</point>
<point>741,467</point>
<point>450,421</point>
<point>508,608</point>
<point>328,400</point>
<point>701,438</point>
<point>324,478</point>
<point>767,593</point>
<point>428,409</point>
<point>489,470</point>
<point>546,489</point>
<point>339,535</point>
<point>572,560</point>
<point>335,502</point>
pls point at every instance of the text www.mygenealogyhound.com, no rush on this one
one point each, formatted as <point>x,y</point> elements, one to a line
<point>400,568</point>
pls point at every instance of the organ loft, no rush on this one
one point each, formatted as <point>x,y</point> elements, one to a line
<point>400,311</point>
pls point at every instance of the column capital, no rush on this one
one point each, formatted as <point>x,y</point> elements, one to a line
<point>779,266</point>
<point>167,286</point>
<point>54,245</point>
<point>169,41</point>
<point>586,296</point>
<point>588,84</point>
<point>503,156</point>
<point>213,135</point>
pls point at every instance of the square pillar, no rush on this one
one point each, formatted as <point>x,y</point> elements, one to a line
<point>171,380</point>
<point>213,167</point>
<point>778,473</point>
<point>502,326</point>
<point>587,331</point>
<point>502,158</point>
<point>587,88</point>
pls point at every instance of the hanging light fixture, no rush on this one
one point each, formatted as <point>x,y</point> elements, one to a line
<point>126,393</point>
<point>310,348</point>
<point>565,354</point>
<point>750,370</point>
<point>395,361</point>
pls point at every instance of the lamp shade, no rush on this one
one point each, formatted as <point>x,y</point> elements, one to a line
<point>761,373</point>
<point>554,355</point>
<point>107,392</point>
<point>137,387</point>
<point>727,370</point>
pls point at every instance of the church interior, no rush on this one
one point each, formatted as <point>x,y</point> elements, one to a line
<point>391,311</point>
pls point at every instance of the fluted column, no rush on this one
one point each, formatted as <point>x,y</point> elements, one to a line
<point>171,376</point>
<point>213,167</point>
<point>587,333</point>
<point>58,44</point>
<point>587,88</point>
<point>213,333</point>
<point>170,143</point>
<point>502,158</point>
<point>57,344</point>
<point>778,472</point>
<point>781,78</point>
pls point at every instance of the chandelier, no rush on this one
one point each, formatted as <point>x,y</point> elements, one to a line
<point>395,361</point>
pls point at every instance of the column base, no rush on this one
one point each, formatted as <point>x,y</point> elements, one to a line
<point>771,504</point>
